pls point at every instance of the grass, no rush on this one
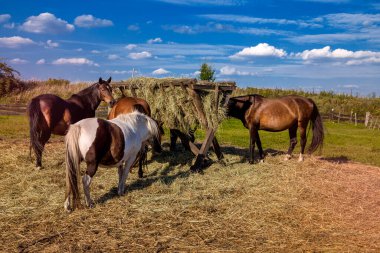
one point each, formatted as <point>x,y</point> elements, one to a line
<point>275,206</point>
<point>343,141</point>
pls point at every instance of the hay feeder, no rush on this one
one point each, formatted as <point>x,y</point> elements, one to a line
<point>183,103</point>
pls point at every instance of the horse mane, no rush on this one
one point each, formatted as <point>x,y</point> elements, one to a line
<point>131,121</point>
<point>87,97</point>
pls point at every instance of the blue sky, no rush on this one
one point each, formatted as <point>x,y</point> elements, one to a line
<point>298,44</point>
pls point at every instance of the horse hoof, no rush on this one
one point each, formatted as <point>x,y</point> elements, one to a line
<point>261,161</point>
<point>38,167</point>
<point>251,162</point>
<point>287,157</point>
<point>300,159</point>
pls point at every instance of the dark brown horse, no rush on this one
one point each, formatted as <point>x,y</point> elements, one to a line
<point>278,114</point>
<point>128,105</point>
<point>50,114</point>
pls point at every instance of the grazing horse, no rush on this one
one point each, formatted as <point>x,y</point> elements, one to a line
<point>50,114</point>
<point>278,114</point>
<point>113,142</point>
<point>128,105</point>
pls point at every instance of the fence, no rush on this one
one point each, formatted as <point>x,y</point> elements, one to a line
<point>370,121</point>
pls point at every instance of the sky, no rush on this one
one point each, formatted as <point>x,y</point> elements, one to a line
<point>313,45</point>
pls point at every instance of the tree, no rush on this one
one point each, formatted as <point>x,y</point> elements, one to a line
<point>8,79</point>
<point>207,73</point>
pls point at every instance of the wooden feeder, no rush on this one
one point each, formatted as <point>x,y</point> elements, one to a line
<point>193,88</point>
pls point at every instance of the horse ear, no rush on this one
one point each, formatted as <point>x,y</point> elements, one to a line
<point>109,80</point>
<point>100,80</point>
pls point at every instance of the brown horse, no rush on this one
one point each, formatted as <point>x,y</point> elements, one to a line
<point>278,114</point>
<point>128,105</point>
<point>50,114</point>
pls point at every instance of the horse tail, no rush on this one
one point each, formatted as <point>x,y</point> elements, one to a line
<point>318,130</point>
<point>35,114</point>
<point>73,159</point>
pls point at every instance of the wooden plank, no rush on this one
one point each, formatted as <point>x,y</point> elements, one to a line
<point>199,161</point>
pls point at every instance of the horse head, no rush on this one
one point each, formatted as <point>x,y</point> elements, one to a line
<point>105,91</point>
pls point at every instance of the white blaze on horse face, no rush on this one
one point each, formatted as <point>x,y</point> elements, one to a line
<point>87,134</point>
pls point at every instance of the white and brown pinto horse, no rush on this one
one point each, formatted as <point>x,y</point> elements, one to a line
<point>96,141</point>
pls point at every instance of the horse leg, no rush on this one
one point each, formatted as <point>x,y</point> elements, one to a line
<point>86,180</point>
<point>123,174</point>
<point>43,137</point>
<point>303,141</point>
<point>293,141</point>
<point>252,135</point>
<point>258,142</point>
<point>173,138</point>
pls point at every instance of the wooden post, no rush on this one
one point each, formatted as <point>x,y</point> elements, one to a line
<point>199,161</point>
<point>356,120</point>
<point>339,117</point>
<point>351,116</point>
<point>367,118</point>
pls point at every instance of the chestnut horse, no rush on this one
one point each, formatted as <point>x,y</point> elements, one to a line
<point>50,114</point>
<point>278,114</point>
<point>128,105</point>
<point>96,141</point>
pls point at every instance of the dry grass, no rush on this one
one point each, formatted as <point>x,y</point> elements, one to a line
<point>174,107</point>
<point>275,206</point>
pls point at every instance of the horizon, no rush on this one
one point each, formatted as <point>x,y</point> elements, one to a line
<point>310,45</point>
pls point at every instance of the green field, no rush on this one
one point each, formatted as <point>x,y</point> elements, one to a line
<point>343,141</point>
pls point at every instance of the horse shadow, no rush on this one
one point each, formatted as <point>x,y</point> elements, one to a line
<point>336,159</point>
<point>171,158</point>
<point>244,153</point>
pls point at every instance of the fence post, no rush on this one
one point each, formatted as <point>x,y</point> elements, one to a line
<point>338,117</point>
<point>352,112</point>
<point>367,117</point>
<point>356,120</point>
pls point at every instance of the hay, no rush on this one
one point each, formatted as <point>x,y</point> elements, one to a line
<point>174,106</point>
<point>276,206</point>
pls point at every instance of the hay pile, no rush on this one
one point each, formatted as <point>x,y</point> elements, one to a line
<point>174,106</point>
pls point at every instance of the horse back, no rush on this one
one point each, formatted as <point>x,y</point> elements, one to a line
<point>128,105</point>
<point>278,114</point>
<point>101,141</point>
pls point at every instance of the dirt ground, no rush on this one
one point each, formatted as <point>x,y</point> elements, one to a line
<point>276,206</point>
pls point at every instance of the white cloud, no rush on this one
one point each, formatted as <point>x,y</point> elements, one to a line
<point>4,18</point>
<point>255,20</point>
<point>51,44</point>
<point>46,23</point>
<point>130,46</point>
<point>91,21</point>
<point>260,50</point>
<point>74,61</point>
<point>40,61</point>
<point>156,40</point>
<point>133,27</point>
<point>339,53</point>
<point>18,61</point>
<point>139,56</point>
<point>113,57</point>
<point>15,42</point>
<point>118,72</point>
<point>352,21</point>
<point>229,71</point>
<point>95,51</point>
<point>160,71</point>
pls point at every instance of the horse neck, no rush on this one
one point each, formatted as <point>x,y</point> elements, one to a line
<point>236,110</point>
<point>89,98</point>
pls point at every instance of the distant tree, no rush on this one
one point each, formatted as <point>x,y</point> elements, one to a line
<point>207,73</point>
<point>8,79</point>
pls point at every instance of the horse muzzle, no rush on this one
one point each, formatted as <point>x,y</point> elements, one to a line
<point>112,103</point>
